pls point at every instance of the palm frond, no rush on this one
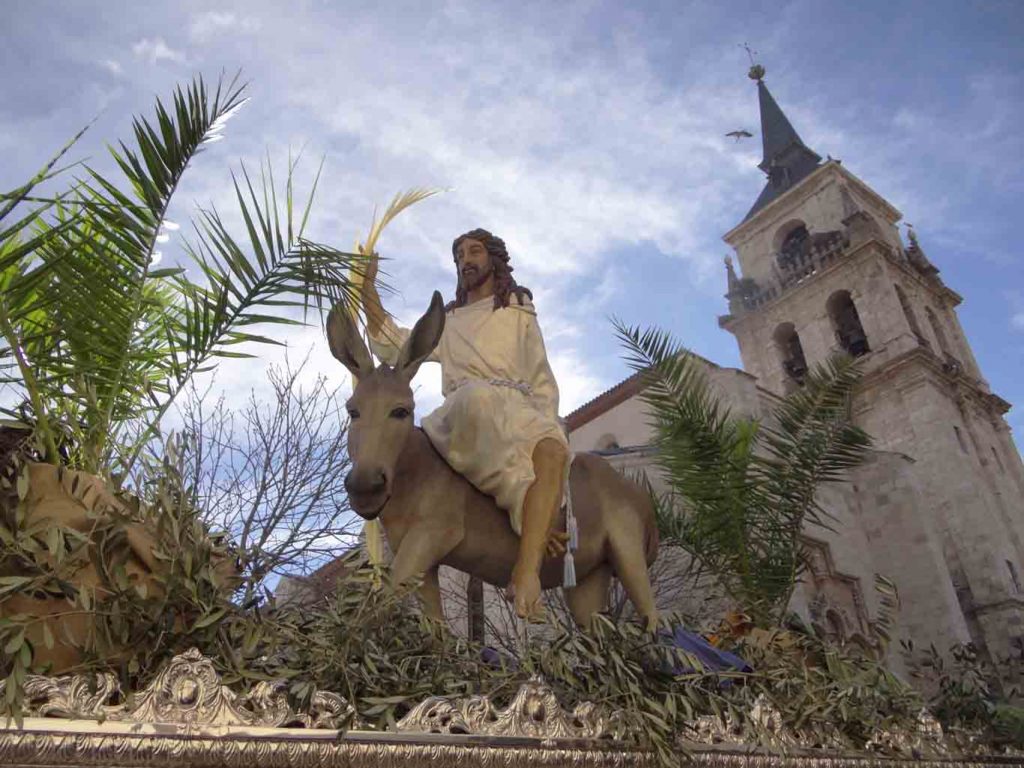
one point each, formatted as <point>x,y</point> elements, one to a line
<point>20,298</point>
<point>742,489</point>
<point>92,292</point>
<point>811,438</point>
<point>262,279</point>
<point>399,203</point>
<point>111,336</point>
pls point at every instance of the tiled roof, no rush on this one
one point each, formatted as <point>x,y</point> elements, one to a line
<point>604,402</point>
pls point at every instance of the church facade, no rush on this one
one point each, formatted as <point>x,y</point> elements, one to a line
<point>938,508</point>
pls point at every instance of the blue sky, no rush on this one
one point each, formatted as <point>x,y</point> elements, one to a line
<point>589,135</point>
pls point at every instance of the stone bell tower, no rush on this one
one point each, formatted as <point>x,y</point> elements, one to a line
<point>823,270</point>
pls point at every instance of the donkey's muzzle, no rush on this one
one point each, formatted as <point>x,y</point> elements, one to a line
<point>367,491</point>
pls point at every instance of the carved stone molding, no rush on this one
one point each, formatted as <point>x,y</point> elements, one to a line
<point>534,713</point>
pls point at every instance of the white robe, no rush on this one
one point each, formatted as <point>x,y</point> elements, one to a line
<point>486,430</point>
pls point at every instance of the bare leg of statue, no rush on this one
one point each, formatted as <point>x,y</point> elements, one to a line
<point>540,508</point>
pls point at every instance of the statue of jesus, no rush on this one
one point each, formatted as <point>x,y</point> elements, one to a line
<point>498,425</point>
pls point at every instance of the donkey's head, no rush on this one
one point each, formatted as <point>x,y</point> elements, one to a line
<point>381,407</point>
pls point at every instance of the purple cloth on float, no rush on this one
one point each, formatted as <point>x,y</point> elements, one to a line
<point>711,658</point>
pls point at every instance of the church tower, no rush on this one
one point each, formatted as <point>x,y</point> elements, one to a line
<point>823,270</point>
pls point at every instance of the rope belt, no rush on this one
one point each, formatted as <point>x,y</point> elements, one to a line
<point>519,386</point>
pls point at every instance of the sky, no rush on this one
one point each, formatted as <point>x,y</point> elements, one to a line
<point>589,135</point>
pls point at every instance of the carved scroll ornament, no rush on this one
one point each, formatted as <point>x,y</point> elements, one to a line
<point>188,692</point>
<point>533,713</point>
<point>188,695</point>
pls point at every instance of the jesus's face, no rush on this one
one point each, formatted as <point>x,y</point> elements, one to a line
<point>474,265</point>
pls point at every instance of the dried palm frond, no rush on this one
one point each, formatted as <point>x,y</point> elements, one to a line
<point>399,203</point>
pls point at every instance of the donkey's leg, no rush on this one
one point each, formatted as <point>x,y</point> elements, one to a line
<point>590,596</point>
<point>430,595</point>
<point>630,561</point>
<point>420,553</point>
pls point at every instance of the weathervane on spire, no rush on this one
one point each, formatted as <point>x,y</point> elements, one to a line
<point>756,71</point>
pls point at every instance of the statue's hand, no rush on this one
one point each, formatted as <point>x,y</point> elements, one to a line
<point>370,297</point>
<point>372,267</point>
<point>557,542</point>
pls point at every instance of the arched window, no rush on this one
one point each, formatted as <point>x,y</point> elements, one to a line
<point>940,335</point>
<point>608,442</point>
<point>791,352</point>
<point>835,627</point>
<point>908,312</point>
<point>846,324</point>
<point>793,246</point>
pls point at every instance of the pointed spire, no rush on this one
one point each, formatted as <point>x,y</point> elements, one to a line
<point>786,159</point>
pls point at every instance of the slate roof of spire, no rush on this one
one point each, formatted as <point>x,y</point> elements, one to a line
<point>787,160</point>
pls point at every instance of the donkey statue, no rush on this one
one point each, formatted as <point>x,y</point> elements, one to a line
<point>432,516</point>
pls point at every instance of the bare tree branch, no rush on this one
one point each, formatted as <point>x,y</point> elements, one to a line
<point>271,473</point>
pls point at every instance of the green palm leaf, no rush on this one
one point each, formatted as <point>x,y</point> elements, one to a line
<point>108,338</point>
<point>265,279</point>
<point>21,302</point>
<point>743,489</point>
<point>95,275</point>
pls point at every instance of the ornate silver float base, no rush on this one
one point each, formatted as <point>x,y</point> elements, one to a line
<point>45,742</point>
<point>186,717</point>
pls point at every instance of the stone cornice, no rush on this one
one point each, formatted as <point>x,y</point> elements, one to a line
<point>930,367</point>
<point>804,189</point>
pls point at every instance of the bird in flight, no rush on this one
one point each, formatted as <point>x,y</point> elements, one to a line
<point>740,134</point>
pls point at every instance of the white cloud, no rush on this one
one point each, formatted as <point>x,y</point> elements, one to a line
<point>155,50</point>
<point>575,384</point>
<point>112,67</point>
<point>1017,321</point>
<point>568,158</point>
<point>204,27</point>
<point>570,150</point>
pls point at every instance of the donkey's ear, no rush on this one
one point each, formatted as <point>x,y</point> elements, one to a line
<point>346,342</point>
<point>423,339</point>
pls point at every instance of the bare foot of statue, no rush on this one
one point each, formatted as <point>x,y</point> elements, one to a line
<point>525,592</point>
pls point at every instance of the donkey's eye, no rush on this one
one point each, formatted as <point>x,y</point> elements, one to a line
<point>353,414</point>
<point>400,413</point>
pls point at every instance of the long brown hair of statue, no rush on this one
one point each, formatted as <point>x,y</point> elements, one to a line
<point>505,285</point>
